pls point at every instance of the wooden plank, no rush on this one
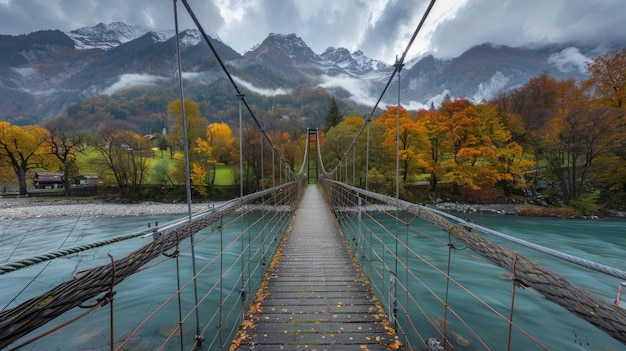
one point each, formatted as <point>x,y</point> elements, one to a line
<point>315,297</point>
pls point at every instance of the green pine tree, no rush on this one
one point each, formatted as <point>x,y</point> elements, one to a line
<point>333,116</point>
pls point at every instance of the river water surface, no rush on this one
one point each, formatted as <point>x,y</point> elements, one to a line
<point>602,241</point>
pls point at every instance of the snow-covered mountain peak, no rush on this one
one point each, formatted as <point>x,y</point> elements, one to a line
<point>190,37</point>
<point>108,36</point>
<point>355,63</point>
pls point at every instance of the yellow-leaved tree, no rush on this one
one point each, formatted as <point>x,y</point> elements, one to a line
<point>196,127</point>
<point>23,149</point>
<point>410,137</point>
<point>215,148</point>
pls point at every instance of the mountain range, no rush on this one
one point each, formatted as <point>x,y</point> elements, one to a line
<point>42,73</point>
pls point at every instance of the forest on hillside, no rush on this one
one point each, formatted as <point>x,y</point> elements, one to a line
<point>559,140</point>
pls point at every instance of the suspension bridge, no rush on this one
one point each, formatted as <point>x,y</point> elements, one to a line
<point>310,263</point>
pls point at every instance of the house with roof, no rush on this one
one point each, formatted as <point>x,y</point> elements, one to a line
<point>48,180</point>
<point>87,179</point>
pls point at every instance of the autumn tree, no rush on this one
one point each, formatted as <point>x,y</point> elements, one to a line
<point>125,155</point>
<point>410,137</point>
<point>220,138</point>
<point>606,86</point>
<point>577,135</point>
<point>436,145</point>
<point>607,79</point>
<point>215,148</point>
<point>463,126</point>
<point>196,125</point>
<point>23,149</point>
<point>470,145</point>
<point>65,145</point>
<point>286,147</point>
<point>503,156</point>
<point>529,108</point>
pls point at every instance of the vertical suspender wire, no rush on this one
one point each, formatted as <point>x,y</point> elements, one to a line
<point>262,162</point>
<point>406,280</point>
<point>367,156</point>
<point>398,67</point>
<point>512,302</point>
<point>273,169</point>
<point>248,259</point>
<point>338,176</point>
<point>445,305</point>
<point>240,97</point>
<point>178,295</point>
<point>354,164</point>
<point>198,338</point>
<point>110,297</point>
<point>221,325</point>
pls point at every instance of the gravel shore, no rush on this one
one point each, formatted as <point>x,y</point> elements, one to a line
<point>13,209</point>
<point>29,208</point>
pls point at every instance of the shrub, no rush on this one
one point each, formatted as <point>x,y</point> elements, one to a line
<point>586,204</point>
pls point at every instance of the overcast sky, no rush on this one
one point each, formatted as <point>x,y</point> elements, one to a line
<point>380,28</point>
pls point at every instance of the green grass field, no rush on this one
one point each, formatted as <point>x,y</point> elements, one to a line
<point>88,164</point>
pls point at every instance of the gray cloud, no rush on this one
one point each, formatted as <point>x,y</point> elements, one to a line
<point>569,60</point>
<point>25,16</point>
<point>529,22</point>
<point>380,28</point>
<point>398,20</point>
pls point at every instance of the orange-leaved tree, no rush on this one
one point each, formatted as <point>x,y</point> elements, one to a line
<point>606,86</point>
<point>436,145</point>
<point>578,133</point>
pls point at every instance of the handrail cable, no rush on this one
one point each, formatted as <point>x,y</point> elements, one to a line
<point>581,302</point>
<point>612,271</point>
<point>39,310</point>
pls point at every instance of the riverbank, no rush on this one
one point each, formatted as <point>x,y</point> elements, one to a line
<point>519,210</point>
<point>31,208</point>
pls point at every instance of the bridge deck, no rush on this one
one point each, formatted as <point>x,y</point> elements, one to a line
<point>316,297</point>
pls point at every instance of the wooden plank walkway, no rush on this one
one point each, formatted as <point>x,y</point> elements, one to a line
<point>315,296</point>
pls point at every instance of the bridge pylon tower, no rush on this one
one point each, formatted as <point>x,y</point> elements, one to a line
<point>311,162</point>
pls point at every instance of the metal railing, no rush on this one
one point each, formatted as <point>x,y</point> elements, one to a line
<point>234,244</point>
<point>426,269</point>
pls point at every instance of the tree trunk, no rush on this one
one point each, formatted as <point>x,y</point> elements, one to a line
<point>21,178</point>
<point>433,181</point>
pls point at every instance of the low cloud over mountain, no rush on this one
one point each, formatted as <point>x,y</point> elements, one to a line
<point>44,72</point>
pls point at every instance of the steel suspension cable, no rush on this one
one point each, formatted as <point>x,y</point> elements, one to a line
<point>228,75</point>
<point>397,67</point>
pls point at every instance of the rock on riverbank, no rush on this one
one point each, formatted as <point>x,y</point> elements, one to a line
<point>13,209</point>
